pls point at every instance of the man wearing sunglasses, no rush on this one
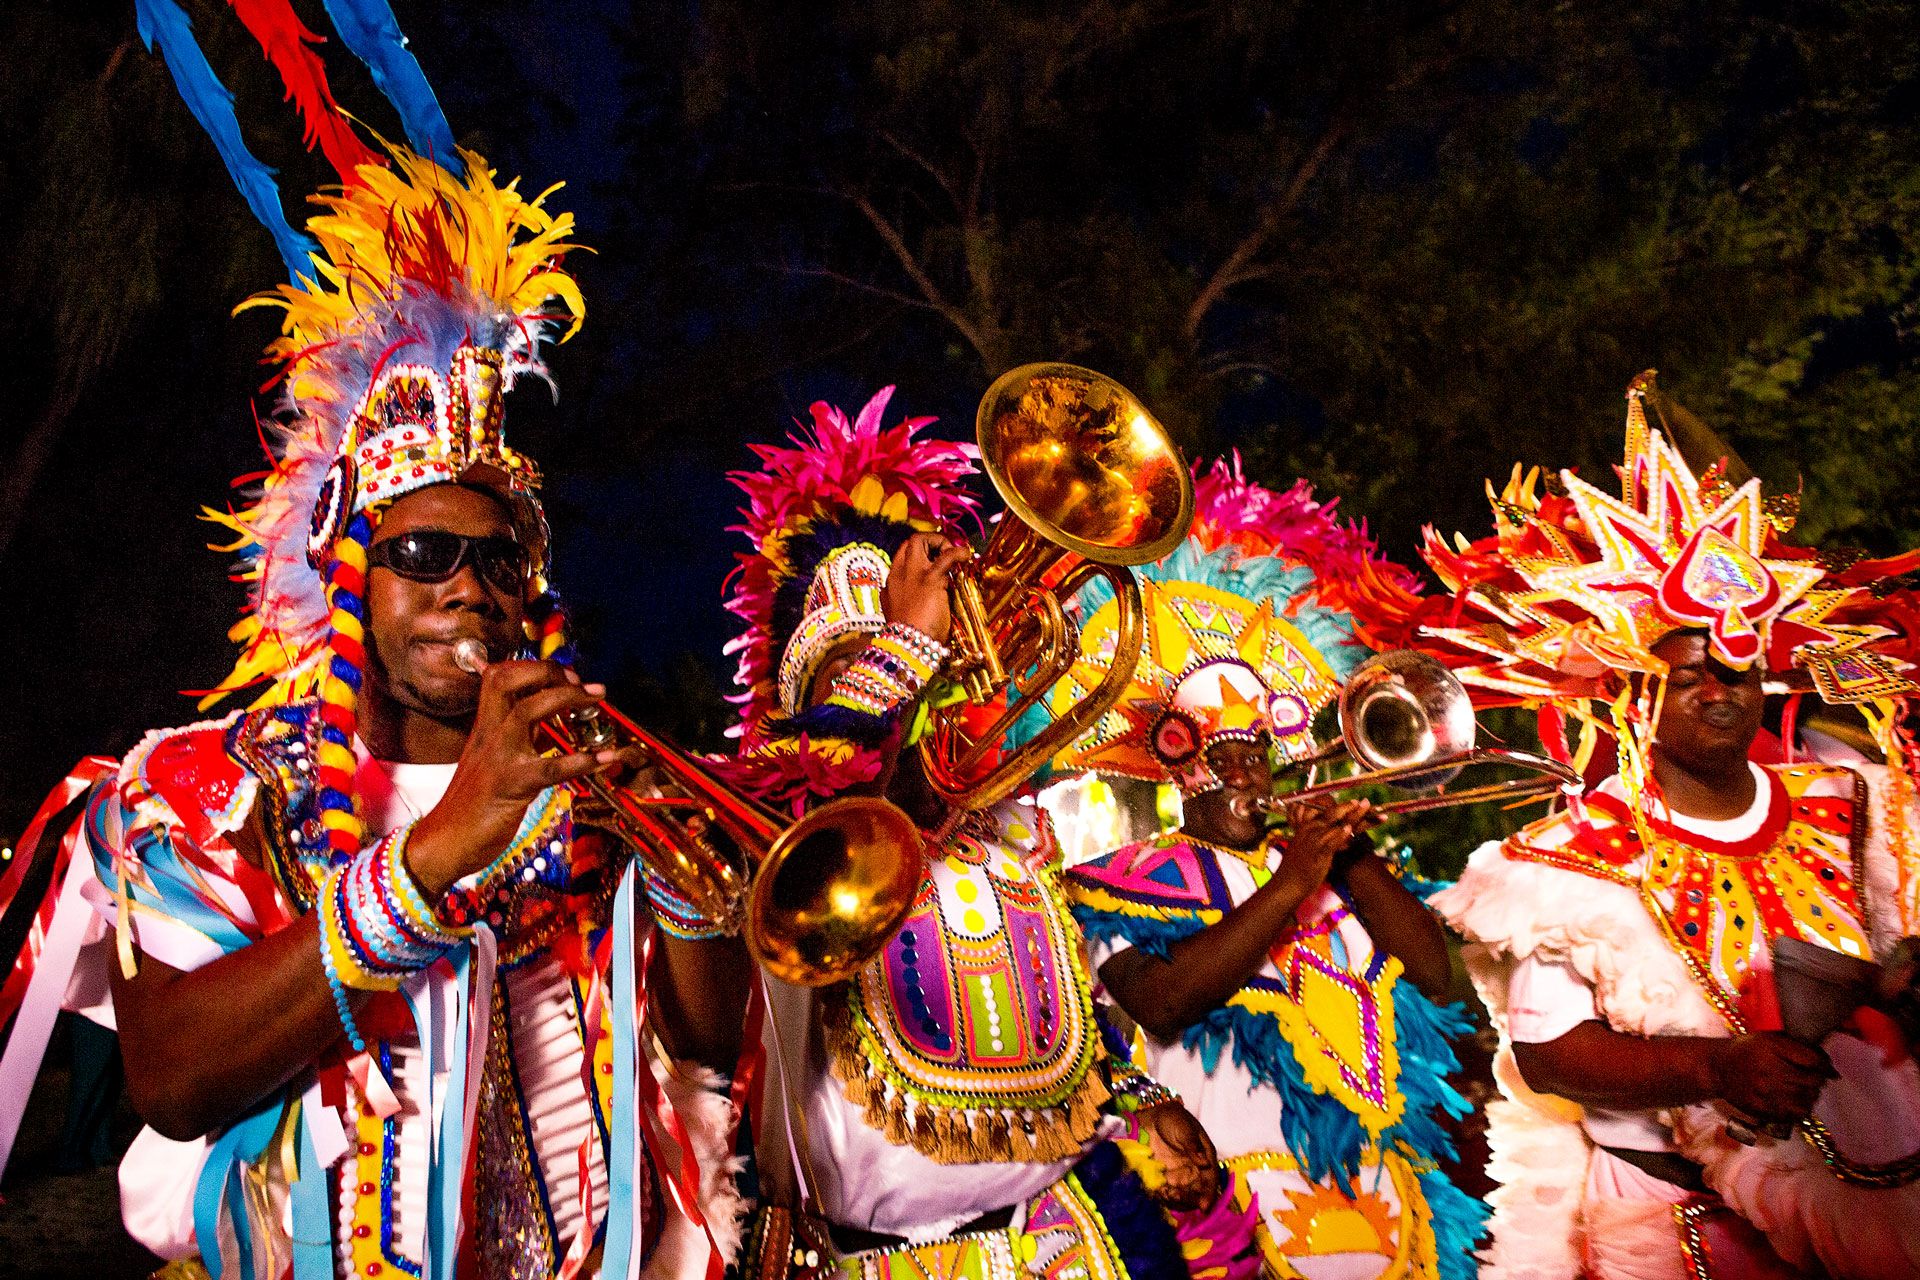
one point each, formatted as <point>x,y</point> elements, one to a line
<point>380,985</point>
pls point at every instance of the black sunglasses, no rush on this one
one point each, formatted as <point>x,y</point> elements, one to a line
<point>434,555</point>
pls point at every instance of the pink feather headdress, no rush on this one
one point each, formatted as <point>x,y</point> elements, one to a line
<point>1231,510</point>
<point>839,473</point>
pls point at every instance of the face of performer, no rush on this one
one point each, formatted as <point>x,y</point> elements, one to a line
<point>1711,712</point>
<point>1245,771</point>
<point>412,625</point>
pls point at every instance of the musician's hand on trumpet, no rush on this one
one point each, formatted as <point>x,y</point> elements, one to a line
<point>920,583</point>
<point>502,768</point>
<point>500,772</point>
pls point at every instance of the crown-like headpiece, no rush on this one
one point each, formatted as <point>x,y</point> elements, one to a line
<point>430,295</point>
<point>1241,640</point>
<point>1577,586</point>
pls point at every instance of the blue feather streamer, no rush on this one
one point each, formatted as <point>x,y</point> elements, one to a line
<point>1459,1222</point>
<point>164,25</point>
<point>369,29</point>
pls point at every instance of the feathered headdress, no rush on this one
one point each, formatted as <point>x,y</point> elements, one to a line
<point>416,298</point>
<point>845,484</point>
<point>431,296</point>
<point>1561,607</point>
<point>1244,634</point>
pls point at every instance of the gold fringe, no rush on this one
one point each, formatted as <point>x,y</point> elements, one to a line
<point>1020,1134</point>
<point>926,1130</point>
<point>950,1135</point>
<point>896,1123</point>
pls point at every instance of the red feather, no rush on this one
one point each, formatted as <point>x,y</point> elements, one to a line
<point>285,40</point>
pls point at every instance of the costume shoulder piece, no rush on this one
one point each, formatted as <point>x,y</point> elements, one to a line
<point>1150,893</point>
<point>187,779</point>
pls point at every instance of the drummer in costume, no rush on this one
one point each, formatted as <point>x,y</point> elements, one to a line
<point>1657,1121</point>
<point>1282,984</point>
<point>375,977</point>
<point>944,1111</point>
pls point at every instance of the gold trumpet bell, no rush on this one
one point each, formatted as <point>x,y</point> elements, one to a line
<point>820,897</point>
<point>1092,484</point>
<point>1083,464</point>
<point>834,882</point>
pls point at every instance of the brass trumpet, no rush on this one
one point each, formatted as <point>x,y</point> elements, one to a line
<point>1405,720</point>
<point>817,898</point>
<point>1092,484</point>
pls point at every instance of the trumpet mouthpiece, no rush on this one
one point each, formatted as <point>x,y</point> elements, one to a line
<point>470,656</point>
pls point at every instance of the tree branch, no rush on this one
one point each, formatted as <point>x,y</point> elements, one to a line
<point>863,286</point>
<point>1235,268</point>
<point>933,171</point>
<point>935,298</point>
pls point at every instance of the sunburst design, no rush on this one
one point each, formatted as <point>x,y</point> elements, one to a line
<point>1319,1220</point>
<point>1191,626</point>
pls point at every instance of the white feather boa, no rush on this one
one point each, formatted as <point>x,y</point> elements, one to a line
<point>700,1097</point>
<point>1510,910</point>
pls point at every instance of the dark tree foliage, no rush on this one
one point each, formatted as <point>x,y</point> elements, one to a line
<point>1391,247</point>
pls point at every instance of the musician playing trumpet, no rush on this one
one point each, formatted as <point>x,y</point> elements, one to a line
<point>947,1110</point>
<point>1282,981</point>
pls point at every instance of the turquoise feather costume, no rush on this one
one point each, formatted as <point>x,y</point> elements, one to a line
<point>1323,1081</point>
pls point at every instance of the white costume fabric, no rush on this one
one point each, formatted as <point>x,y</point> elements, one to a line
<point>158,1175</point>
<point>1547,937</point>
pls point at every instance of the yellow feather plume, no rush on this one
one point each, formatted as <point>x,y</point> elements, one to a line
<point>417,222</point>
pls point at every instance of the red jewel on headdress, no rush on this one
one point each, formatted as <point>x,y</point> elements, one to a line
<point>1175,738</point>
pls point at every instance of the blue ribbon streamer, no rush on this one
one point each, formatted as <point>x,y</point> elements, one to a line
<point>221,1183</point>
<point>369,29</point>
<point>168,885</point>
<point>164,24</point>
<point>449,1162</point>
<point>312,1219</point>
<point>620,1221</point>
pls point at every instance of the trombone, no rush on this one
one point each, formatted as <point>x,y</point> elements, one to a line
<point>1405,720</point>
<point>816,899</point>
<point>1092,484</point>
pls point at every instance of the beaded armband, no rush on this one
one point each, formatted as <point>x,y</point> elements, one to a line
<point>676,916</point>
<point>376,926</point>
<point>1133,1089</point>
<point>889,672</point>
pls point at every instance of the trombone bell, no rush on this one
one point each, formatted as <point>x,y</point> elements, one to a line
<point>1404,708</point>
<point>1407,721</point>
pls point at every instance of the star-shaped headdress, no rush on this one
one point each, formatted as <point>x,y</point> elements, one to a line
<point>1242,637</point>
<point>1577,586</point>
<point>1561,607</point>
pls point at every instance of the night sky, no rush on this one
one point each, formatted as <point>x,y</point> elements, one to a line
<point>1389,247</point>
<point>118,605</point>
